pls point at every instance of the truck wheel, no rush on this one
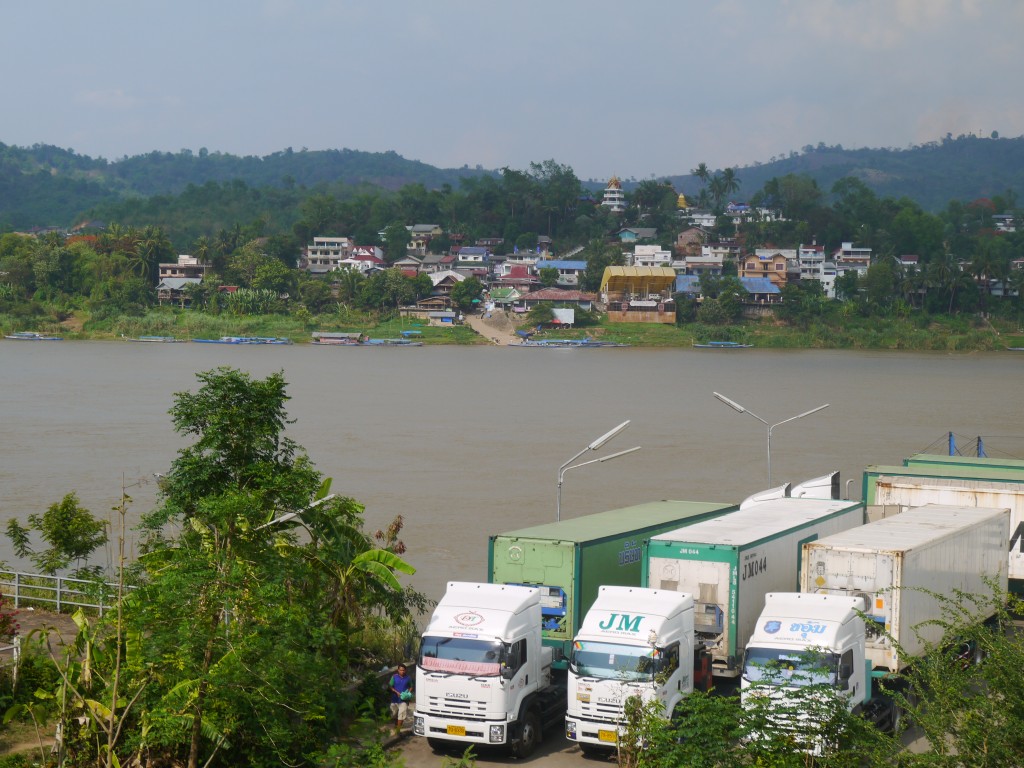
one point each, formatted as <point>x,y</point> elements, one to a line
<point>529,737</point>
<point>437,745</point>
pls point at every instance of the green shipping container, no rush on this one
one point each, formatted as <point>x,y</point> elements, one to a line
<point>570,559</point>
<point>979,462</point>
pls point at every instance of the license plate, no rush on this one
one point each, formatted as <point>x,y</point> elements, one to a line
<point>456,730</point>
<point>609,736</point>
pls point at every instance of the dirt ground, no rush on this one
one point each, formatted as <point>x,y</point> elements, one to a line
<point>498,328</point>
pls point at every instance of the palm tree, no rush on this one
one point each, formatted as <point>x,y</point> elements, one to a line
<point>350,281</point>
<point>718,191</point>
<point>702,173</point>
<point>729,181</point>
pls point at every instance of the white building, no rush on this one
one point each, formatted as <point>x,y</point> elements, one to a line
<point>614,199</point>
<point>847,253</point>
<point>811,261</point>
<point>326,254</point>
<point>648,256</point>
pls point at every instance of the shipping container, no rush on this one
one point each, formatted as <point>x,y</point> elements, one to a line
<point>890,490</point>
<point>905,567</point>
<point>730,563</point>
<point>980,462</point>
<point>570,559</point>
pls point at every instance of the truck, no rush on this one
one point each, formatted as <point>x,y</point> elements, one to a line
<point>864,588</point>
<point>632,642</point>
<point>960,481</point>
<point>728,564</point>
<point>483,675</point>
<point>570,559</point>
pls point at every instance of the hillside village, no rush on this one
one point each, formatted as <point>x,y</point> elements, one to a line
<point>643,288</point>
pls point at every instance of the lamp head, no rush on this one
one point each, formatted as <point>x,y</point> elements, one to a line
<point>731,403</point>
<point>608,436</point>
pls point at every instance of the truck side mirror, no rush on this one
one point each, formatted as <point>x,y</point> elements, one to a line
<point>507,672</point>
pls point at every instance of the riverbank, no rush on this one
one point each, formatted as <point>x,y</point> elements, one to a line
<point>916,333</point>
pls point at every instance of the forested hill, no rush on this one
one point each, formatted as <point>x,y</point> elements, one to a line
<point>964,168</point>
<point>46,185</point>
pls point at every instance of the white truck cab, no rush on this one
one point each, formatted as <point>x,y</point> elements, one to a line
<point>483,676</point>
<point>633,641</point>
<point>806,639</point>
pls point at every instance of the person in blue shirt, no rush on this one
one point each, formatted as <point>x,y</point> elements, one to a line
<point>400,686</point>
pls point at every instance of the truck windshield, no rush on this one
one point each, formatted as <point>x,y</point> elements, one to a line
<point>784,666</point>
<point>461,655</point>
<point>612,661</point>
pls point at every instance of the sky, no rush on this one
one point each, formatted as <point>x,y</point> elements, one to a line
<point>635,89</point>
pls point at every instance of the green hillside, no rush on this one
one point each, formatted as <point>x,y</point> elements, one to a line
<point>44,185</point>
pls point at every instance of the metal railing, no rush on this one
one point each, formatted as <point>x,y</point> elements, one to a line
<point>60,592</point>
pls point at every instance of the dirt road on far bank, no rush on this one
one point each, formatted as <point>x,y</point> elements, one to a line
<point>498,328</point>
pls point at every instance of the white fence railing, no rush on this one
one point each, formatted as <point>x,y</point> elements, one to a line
<point>60,592</point>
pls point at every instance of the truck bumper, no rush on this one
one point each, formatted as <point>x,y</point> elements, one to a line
<point>600,734</point>
<point>463,731</point>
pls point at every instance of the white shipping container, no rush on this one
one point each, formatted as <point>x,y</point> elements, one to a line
<point>902,566</point>
<point>730,563</point>
<point>896,493</point>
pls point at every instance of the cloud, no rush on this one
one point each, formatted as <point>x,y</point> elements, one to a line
<point>876,24</point>
<point>111,98</point>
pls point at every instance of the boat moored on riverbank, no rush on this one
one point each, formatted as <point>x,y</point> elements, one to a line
<point>244,340</point>
<point>722,345</point>
<point>32,336</point>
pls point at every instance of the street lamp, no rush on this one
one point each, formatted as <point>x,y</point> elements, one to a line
<point>740,409</point>
<point>592,447</point>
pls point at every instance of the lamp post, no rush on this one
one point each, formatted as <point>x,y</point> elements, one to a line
<point>740,409</point>
<point>592,447</point>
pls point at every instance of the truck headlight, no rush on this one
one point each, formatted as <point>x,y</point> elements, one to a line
<point>570,730</point>
<point>417,726</point>
<point>497,734</point>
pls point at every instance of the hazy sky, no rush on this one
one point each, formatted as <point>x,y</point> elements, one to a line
<point>629,88</point>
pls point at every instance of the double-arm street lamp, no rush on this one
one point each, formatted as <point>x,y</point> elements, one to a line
<point>740,409</point>
<point>592,447</point>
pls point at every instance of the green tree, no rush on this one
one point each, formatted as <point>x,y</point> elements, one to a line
<point>70,532</point>
<point>548,277</point>
<point>316,295</point>
<point>467,293</point>
<point>396,242</point>
<point>237,614</point>
<point>272,275</point>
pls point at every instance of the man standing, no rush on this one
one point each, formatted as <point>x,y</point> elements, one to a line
<point>401,694</point>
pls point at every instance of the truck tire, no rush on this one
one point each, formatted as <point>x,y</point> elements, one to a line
<point>529,736</point>
<point>439,746</point>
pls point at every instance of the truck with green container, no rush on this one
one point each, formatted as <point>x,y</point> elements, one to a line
<point>730,563</point>
<point>570,560</point>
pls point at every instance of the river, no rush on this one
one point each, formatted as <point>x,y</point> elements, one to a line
<point>465,442</point>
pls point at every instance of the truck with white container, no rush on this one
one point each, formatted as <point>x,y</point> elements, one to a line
<point>632,642</point>
<point>483,675</point>
<point>729,563</point>
<point>959,481</point>
<point>863,589</point>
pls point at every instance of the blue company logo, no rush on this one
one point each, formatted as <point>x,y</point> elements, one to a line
<point>809,628</point>
<point>771,627</point>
